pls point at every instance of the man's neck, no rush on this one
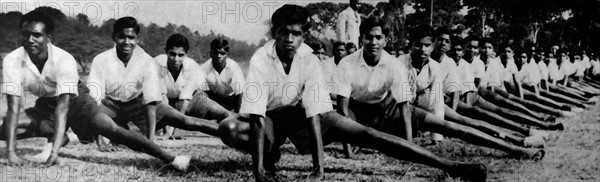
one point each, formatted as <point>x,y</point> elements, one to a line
<point>39,60</point>
<point>124,57</point>
<point>337,60</point>
<point>417,63</point>
<point>218,66</point>
<point>372,60</point>
<point>286,60</point>
<point>437,55</point>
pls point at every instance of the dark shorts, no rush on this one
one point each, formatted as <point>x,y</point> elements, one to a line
<point>135,111</point>
<point>386,116</point>
<point>228,103</point>
<point>81,110</point>
<point>290,122</point>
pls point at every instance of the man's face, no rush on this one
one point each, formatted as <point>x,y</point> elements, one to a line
<point>175,57</point>
<point>126,40</point>
<point>288,38</point>
<point>550,57</point>
<point>320,54</point>
<point>472,49</point>
<point>442,43</point>
<point>488,49</point>
<point>339,51</point>
<point>508,53</point>
<point>522,58</point>
<point>352,50</point>
<point>33,37</point>
<point>577,58</point>
<point>219,56</point>
<point>374,42</point>
<point>422,48</point>
<point>456,52</point>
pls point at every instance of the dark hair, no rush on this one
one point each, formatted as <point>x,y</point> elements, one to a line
<point>338,43</point>
<point>486,40</point>
<point>177,40</point>
<point>289,14</point>
<point>350,45</point>
<point>389,48</point>
<point>520,50</point>
<point>441,31</point>
<point>419,32</point>
<point>219,43</point>
<point>373,21</point>
<point>126,22</point>
<point>471,38</point>
<point>317,45</point>
<point>38,16</point>
<point>456,40</point>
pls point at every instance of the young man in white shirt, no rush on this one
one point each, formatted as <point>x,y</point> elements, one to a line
<point>224,76</point>
<point>81,112</point>
<point>304,113</point>
<point>184,85</point>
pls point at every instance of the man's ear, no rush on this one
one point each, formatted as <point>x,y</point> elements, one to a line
<point>49,38</point>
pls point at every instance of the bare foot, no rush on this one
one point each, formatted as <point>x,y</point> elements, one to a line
<point>15,160</point>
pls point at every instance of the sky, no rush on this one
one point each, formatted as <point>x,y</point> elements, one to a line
<point>242,19</point>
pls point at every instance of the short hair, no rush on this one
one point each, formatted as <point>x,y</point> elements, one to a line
<point>373,21</point>
<point>420,31</point>
<point>38,16</point>
<point>389,49</point>
<point>471,38</point>
<point>177,40</point>
<point>350,45</point>
<point>289,14</point>
<point>456,40</point>
<point>317,45</point>
<point>520,50</point>
<point>486,40</point>
<point>338,43</point>
<point>441,31</point>
<point>126,22</point>
<point>219,43</point>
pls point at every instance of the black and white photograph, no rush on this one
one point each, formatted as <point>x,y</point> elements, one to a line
<point>277,91</point>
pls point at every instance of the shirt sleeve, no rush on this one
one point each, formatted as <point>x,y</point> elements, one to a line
<point>12,78</point>
<point>67,76</point>
<point>342,76</point>
<point>315,98</point>
<point>96,82</point>
<point>237,80</point>
<point>256,95</point>
<point>451,82</point>
<point>195,81</point>
<point>151,85</point>
<point>401,88</point>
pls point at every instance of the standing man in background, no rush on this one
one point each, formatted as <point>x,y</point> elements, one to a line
<point>348,22</point>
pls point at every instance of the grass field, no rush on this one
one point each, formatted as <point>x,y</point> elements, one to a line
<point>572,155</point>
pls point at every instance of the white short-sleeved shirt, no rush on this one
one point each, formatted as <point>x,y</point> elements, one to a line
<point>511,66</point>
<point>59,75</point>
<point>586,62</point>
<point>451,82</point>
<point>529,74</point>
<point>109,77</point>
<point>328,67</point>
<point>554,73</point>
<point>367,84</point>
<point>478,67</point>
<point>544,72</point>
<point>568,68</point>
<point>270,88</point>
<point>231,75</point>
<point>190,79</point>
<point>465,76</point>
<point>491,74</point>
<point>580,67</point>
<point>427,85</point>
<point>595,67</point>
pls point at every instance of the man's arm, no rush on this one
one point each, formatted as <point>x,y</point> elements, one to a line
<point>151,119</point>
<point>238,102</point>
<point>454,96</point>
<point>183,106</point>
<point>257,140</point>
<point>10,127</point>
<point>60,114</point>
<point>342,105</point>
<point>317,147</point>
<point>518,87</point>
<point>477,82</point>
